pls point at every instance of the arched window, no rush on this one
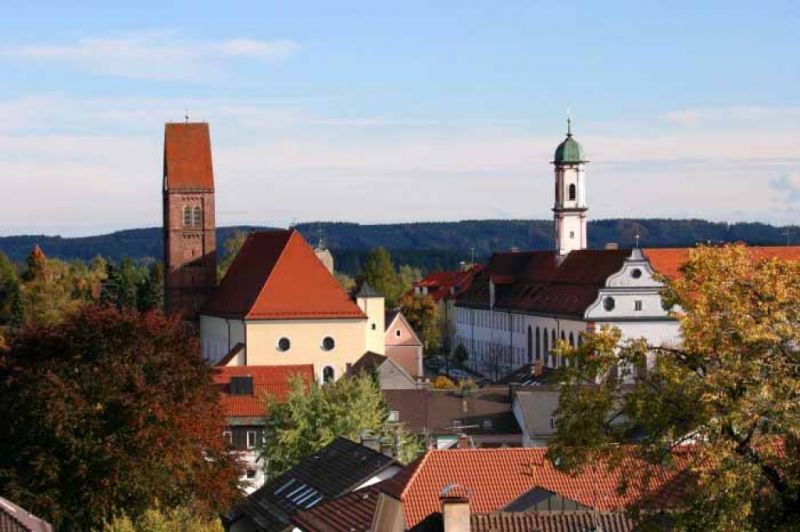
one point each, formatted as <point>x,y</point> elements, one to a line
<point>327,374</point>
<point>553,338</point>
<point>187,215</point>
<point>530,344</point>
<point>198,216</point>
<point>572,192</point>
<point>563,336</point>
<point>571,340</point>
<point>546,347</point>
<point>538,344</point>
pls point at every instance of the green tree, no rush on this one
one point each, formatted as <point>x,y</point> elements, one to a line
<point>107,410</point>
<point>408,275</point>
<point>422,314</point>
<point>9,286</point>
<point>731,389</point>
<point>121,288</point>
<point>311,418</point>
<point>232,247</point>
<point>379,273</point>
<point>150,292</point>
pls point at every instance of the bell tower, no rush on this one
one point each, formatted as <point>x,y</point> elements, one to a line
<point>189,229</point>
<point>569,210</point>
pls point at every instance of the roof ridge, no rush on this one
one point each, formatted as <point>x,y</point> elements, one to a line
<point>413,476</point>
<point>292,231</point>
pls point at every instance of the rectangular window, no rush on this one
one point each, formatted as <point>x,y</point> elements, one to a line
<point>251,439</point>
<point>394,416</point>
<point>228,437</point>
<point>637,305</point>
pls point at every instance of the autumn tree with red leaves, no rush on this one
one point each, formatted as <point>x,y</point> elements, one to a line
<point>111,411</point>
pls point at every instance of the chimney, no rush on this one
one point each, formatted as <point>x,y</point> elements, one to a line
<point>537,368</point>
<point>455,508</point>
<point>463,442</point>
<point>612,245</point>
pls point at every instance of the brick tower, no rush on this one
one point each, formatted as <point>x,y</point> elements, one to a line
<point>189,229</point>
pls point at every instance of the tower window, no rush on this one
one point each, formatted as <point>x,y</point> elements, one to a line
<point>187,215</point>
<point>327,374</point>
<point>608,303</point>
<point>198,216</point>
<point>637,305</point>
<point>636,273</point>
<point>572,192</point>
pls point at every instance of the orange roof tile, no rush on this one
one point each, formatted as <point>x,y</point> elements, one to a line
<point>187,157</point>
<point>276,275</point>
<point>496,477</point>
<point>267,380</point>
<point>668,261</point>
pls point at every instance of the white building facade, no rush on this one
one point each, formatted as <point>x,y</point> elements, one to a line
<point>522,303</point>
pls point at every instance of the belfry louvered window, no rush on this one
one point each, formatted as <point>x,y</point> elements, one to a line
<point>187,215</point>
<point>198,216</point>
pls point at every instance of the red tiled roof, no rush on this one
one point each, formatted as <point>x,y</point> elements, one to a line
<point>349,513</point>
<point>267,380</point>
<point>276,275</point>
<point>441,285</point>
<point>187,157</point>
<point>668,261</point>
<point>496,477</point>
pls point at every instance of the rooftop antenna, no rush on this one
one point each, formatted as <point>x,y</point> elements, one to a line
<point>472,255</point>
<point>788,234</point>
<point>186,115</point>
<point>320,240</point>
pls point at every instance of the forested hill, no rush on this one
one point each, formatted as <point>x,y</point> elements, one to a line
<point>427,245</point>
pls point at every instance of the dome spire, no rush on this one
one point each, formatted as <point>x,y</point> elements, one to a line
<point>569,122</point>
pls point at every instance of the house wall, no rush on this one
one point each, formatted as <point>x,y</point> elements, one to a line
<point>409,357</point>
<point>404,347</point>
<point>375,309</point>
<point>388,515</point>
<point>218,336</point>
<point>306,343</point>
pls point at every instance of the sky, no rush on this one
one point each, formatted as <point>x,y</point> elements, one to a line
<point>380,112</point>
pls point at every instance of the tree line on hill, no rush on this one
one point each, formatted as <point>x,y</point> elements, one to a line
<point>428,246</point>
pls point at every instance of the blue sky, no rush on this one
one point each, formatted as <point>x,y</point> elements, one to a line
<point>402,111</point>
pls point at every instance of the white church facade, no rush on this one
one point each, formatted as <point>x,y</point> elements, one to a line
<point>522,303</point>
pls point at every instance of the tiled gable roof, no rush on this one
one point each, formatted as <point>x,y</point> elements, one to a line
<point>187,157</point>
<point>352,512</point>
<point>16,519</point>
<point>444,284</point>
<point>496,477</point>
<point>668,261</point>
<point>276,275</point>
<point>333,471</point>
<point>267,380</point>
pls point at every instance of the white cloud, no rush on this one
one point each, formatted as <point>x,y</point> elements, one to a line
<point>93,165</point>
<point>155,55</point>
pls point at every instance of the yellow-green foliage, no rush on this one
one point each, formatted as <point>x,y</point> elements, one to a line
<point>158,520</point>
<point>731,389</point>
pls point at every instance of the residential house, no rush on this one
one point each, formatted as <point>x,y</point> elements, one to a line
<point>243,394</point>
<point>390,375</point>
<point>402,344</point>
<point>13,518</point>
<point>339,468</point>
<point>448,418</point>
<point>279,305</point>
